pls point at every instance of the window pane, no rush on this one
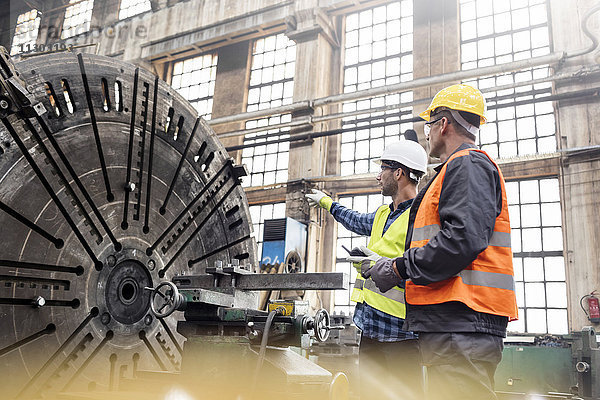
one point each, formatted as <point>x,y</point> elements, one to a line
<point>557,322</point>
<point>530,215</point>
<point>130,8</point>
<point>535,295</point>
<point>553,240</point>
<point>512,192</point>
<point>518,268</point>
<point>520,293</point>
<point>536,320</point>
<point>551,214</point>
<point>529,191</point>
<point>515,238</point>
<point>555,268</point>
<point>532,239</point>
<point>533,269</point>
<point>549,190</point>
<point>557,294</point>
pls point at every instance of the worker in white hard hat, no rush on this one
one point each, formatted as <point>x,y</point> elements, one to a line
<point>389,358</point>
<point>458,265</point>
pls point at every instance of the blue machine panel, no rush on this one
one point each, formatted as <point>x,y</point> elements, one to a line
<point>273,252</point>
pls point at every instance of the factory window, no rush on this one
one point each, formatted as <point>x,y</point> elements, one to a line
<point>271,85</point>
<point>78,17</point>
<point>496,32</point>
<point>378,52</point>
<point>194,79</point>
<point>362,204</point>
<point>258,214</point>
<point>129,8</point>
<point>26,32</point>
<point>537,244</point>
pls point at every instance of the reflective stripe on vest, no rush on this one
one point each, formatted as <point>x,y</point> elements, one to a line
<point>358,295</point>
<point>487,279</point>
<point>389,245</point>
<point>498,239</point>
<point>487,284</point>
<point>397,295</point>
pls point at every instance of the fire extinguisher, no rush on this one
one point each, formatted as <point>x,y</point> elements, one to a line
<point>593,307</point>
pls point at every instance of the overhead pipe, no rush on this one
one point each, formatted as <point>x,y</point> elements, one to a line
<point>593,92</point>
<point>304,121</point>
<point>288,108</point>
<point>316,119</point>
<point>367,120</point>
<point>551,78</point>
<point>552,58</point>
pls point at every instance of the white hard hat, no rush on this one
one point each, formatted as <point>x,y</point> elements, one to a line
<point>406,152</point>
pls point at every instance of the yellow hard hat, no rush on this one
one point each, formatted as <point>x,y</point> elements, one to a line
<point>460,98</point>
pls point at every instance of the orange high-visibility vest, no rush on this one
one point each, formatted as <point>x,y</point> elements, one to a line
<point>487,284</point>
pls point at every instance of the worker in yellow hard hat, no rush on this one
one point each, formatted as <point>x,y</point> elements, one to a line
<point>457,264</point>
<point>462,104</point>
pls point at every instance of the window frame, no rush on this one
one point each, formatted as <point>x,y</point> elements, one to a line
<point>269,164</point>
<point>544,197</point>
<point>86,24</point>
<point>29,43</point>
<point>508,132</point>
<point>211,83</point>
<point>391,124</point>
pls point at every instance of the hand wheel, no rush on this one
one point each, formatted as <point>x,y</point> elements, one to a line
<point>165,299</point>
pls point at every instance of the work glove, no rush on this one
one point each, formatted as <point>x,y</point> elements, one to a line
<point>319,199</point>
<point>382,273</point>
<point>364,262</point>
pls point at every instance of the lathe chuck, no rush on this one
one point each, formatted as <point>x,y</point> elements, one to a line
<point>117,187</point>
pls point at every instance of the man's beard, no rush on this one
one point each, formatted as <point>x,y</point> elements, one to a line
<point>388,190</point>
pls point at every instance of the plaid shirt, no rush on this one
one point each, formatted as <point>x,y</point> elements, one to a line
<point>373,323</point>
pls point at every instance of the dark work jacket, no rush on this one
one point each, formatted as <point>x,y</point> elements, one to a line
<point>471,196</point>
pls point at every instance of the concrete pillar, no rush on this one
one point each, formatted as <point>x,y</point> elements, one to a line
<point>51,23</point>
<point>231,90</point>
<point>315,67</point>
<point>104,14</point>
<point>577,126</point>
<point>7,22</point>
<point>434,20</point>
<point>316,75</point>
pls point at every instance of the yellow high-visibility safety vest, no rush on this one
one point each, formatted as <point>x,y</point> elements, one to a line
<point>389,245</point>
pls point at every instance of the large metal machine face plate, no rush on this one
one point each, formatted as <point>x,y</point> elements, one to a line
<point>117,187</point>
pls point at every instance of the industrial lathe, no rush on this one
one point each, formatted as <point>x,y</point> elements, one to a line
<point>126,255</point>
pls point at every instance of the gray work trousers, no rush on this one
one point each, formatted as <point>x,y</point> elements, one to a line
<point>390,370</point>
<point>460,365</point>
